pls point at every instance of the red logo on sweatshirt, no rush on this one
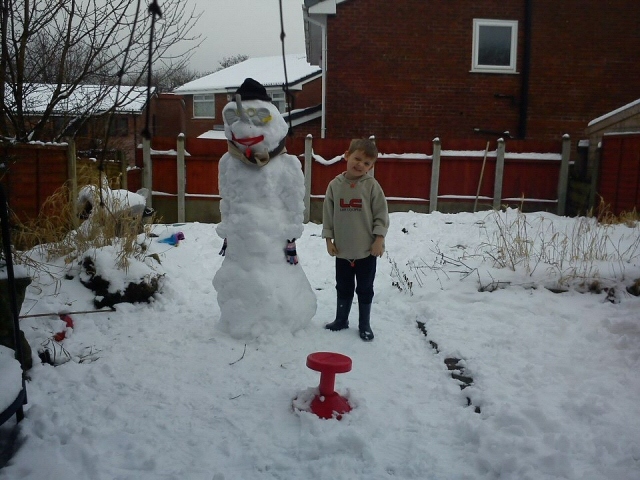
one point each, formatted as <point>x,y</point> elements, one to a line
<point>353,203</point>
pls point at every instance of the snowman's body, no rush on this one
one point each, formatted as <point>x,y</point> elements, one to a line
<point>262,207</point>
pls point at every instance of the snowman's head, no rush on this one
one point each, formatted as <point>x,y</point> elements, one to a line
<point>252,123</point>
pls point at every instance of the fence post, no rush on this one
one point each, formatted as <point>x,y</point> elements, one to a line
<point>497,183</point>
<point>308,162</point>
<point>182,180</point>
<point>122,159</point>
<point>563,178</point>
<point>372,172</point>
<point>435,176</point>
<point>147,174</point>
<point>72,168</point>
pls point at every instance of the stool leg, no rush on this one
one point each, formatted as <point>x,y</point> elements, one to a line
<point>327,383</point>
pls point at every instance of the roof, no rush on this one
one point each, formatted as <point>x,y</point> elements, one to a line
<point>322,7</point>
<point>629,107</point>
<point>93,99</point>
<point>621,120</point>
<point>269,71</point>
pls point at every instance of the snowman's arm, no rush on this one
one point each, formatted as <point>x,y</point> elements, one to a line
<point>293,192</point>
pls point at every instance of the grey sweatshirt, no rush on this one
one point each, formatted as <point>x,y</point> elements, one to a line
<point>354,212</point>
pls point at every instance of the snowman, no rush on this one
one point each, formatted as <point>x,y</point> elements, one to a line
<point>261,287</point>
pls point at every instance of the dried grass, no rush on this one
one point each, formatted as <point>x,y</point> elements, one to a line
<point>568,255</point>
<point>56,231</point>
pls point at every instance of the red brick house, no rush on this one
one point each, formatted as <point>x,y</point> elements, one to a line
<point>84,115</point>
<point>531,69</point>
<point>204,98</point>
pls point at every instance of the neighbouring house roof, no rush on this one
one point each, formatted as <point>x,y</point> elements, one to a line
<point>85,99</point>
<point>629,108</point>
<point>625,118</point>
<point>322,6</point>
<point>269,71</point>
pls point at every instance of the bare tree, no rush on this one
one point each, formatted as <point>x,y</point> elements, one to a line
<point>232,60</point>
<point>66,44</point>
<point>165,80</point>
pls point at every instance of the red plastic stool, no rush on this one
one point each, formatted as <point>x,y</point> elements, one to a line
<point>328,401</point>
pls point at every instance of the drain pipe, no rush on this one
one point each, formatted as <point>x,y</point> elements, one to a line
<point>323,28</point>
<point>526,64</point>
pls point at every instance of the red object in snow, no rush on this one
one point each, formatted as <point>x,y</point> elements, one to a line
<point>58,337</point>
<point>329,401</point>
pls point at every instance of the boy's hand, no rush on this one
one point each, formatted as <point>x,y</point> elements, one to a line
<point>331,247</point>
<point>377,248</point>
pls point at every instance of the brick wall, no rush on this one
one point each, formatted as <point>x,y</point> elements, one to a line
<point>402,69</point>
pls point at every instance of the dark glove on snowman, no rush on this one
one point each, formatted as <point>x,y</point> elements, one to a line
<point>223,250</point>
<point>290,252</point>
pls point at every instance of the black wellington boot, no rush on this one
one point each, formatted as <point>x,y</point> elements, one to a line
<point>364,326</point>
<point>342,315</point>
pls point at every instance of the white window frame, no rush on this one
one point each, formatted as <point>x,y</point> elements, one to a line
<point>203,99</point>
<point>279,99</point>
<point>475,65</point>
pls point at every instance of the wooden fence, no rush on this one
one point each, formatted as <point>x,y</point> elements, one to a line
<point>447,176</point>
<point>619,172</point>
<point>31,173</point>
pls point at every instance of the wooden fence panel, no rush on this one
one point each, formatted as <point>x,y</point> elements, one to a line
<point>202,165</point>
<point>629,184</point>
<point>165,173</point>
<point>619,178</point>
<point>31,174</point>
<point>530,179</point>
<point>460,174</point>
<point>202,175</point>
<point>403,178</point>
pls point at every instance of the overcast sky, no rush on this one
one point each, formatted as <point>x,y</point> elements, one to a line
<point>249,27</point>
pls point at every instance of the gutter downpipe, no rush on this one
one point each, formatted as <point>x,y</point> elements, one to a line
<point>323,28</point>
<point>526,61</point>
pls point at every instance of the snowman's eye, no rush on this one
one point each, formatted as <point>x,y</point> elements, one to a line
<point>264,115</point>
<point>231,115</point>
<point>258,116</point>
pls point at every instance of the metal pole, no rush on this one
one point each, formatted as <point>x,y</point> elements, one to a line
<point>182,182</point>
<point>435,175</point>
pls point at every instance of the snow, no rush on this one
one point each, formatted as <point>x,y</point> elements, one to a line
<point>97,98</point>
<point>262,208</point>
<point>614,112</point>
<point>214,135</point>
<point>269,71</point>
<point>159,391</point>
<point>10,377</point>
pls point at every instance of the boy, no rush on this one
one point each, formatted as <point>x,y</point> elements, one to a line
<point>355,220</point>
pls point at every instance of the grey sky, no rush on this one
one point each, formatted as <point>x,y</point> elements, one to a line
<point>250,27</point>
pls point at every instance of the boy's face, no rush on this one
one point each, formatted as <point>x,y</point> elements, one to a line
<point>358,164</point>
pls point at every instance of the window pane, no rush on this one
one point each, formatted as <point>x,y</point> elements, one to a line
<point>204,106</point>
<point>278,100</point>
<point>494,45</point>
<point>119,126</point>
<point>203,109</point>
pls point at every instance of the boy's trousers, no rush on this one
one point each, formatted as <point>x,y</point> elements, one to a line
<point>356,276</point>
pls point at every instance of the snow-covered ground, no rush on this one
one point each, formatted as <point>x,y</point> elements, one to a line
<point>156,391</point>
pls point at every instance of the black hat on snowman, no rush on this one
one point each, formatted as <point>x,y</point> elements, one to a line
<point>252,90</point>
